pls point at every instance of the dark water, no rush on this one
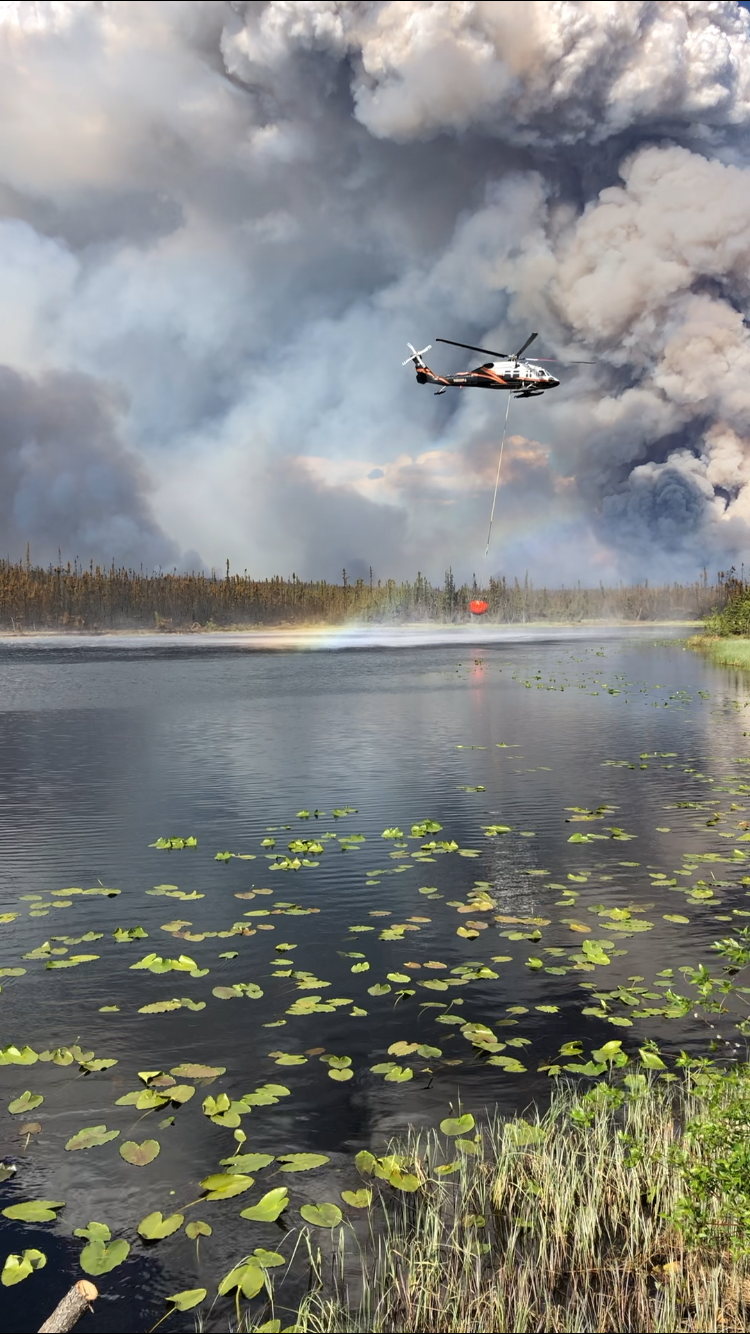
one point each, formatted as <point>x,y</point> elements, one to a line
<point>107,746</point>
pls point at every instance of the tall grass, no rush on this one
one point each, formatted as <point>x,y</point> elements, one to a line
<point>608,1213</point>
<point>728,652</point>
<point>33,597</point>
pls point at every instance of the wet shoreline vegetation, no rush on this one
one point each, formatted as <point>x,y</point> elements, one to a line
<point>625,1208</point>
<point>725,651</point>
<point>726,636</point>
<point>732,614</point>
<point>76,598</point>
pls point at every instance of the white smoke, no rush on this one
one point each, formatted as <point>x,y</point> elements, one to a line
<point>221,222</point>
<point>542,74</point>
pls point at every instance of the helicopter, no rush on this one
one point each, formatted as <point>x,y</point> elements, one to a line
<point>524,379</point>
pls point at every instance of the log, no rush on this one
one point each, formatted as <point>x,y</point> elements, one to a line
<point>68,1312</point>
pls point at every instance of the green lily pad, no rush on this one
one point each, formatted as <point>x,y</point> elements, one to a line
<point>249,1278</point>
<point>357,1199</point>
<point>457,1125</point>
<point>191,1297</point>
<point>99,1257</point>
<point>269,1208</point>
<point>91,1137</point>
<point>26,1103</point>
<point>18,1267</point>
<point>225,1185</point>
<point>34,1211</point>
<point>302,1162</point>
<point>181,1093</point>
<point>155,1226</point>
<point>94,1231</point>
<point>248,1162</point>
<point>322,1215</point>
<point>140,1155</point>
<point>192,1070</point>
<point>508,1063</point>
<point>399,1074</point>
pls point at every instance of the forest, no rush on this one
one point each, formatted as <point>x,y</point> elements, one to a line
<point>93,598</point>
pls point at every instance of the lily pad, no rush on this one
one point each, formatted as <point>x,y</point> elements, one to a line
<point>269,1208</point>
<point>18,1267</point>
<point>248,1162</point>
<point>302,1162</point>
<point>91,1137</point>
<point>457,1125</point>
<point>155,1226</point>
<point>99,1257</point>
<point>198,1229</point>
<point>193,1070</point>
<point>357,1199</point>
<point>26,1103</point>
<point>191,1297</point>
<point>249,1278</point>
<point>322,1215</point>
<point>225,1185</point>
<point>34,1211</point>
<point>140,1155</point>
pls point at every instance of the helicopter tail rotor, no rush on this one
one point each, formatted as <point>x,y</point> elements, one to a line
<point>416,357</point>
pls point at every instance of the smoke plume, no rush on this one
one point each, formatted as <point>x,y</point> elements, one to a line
<point>221,222</point>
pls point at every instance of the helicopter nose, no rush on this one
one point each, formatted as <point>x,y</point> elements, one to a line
<point>553,383</point>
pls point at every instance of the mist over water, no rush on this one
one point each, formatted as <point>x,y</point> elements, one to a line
<point>347,636</point>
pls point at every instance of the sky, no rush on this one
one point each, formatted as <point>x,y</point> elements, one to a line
<point>221,223</point>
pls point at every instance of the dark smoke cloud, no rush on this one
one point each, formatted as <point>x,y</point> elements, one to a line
<point>65,479</point>
<point>221,222</point>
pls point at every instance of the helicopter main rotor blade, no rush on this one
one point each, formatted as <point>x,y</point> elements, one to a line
<point>528,343</point>
<point>514,356</point>
<point>472,348</point>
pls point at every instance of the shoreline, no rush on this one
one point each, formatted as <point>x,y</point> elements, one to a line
<point>723,650</point>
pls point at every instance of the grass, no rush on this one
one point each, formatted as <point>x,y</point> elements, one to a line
<point>726,652</point>
<point>625,1209</point>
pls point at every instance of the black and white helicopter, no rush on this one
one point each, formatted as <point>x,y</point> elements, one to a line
<point>524,379</point>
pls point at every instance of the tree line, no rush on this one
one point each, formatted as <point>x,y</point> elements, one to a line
<point>76,597</point>
<point>731,615</point>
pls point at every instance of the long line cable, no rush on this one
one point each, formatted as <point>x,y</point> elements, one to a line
<point>497,479</point>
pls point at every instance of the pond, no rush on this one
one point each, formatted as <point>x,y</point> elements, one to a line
<point>528,832</point>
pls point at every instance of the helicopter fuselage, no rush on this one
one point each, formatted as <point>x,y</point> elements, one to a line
<point>521,378</point>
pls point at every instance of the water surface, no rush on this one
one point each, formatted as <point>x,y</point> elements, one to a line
<point>108,744</point>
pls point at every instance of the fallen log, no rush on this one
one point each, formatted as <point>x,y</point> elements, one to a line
<point>68,1312</point>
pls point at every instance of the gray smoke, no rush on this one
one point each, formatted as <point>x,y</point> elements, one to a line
<point>65,477</point>
<point>220,223</point>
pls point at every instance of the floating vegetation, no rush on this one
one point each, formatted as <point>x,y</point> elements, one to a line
<point>518,931</point>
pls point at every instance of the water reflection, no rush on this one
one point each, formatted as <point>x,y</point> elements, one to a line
<point>106,746</point>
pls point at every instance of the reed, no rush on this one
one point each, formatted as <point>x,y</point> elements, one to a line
<point>613,1211</point>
